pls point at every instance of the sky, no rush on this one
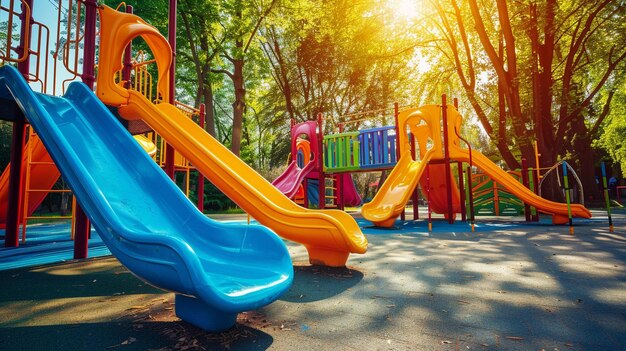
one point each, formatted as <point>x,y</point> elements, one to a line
<point>46,13</point>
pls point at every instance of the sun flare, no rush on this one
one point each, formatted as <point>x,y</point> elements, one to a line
<point>405,9</point>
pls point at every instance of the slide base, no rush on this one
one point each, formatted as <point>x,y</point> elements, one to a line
<point>203,316</point>
<point>386,223</point>
<point>325,257</point>
<point>559,219</point>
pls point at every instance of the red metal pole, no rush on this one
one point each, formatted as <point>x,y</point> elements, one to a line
<point>16,176</point>
<point>535,217</point>
<point>455,101</point>
<point>396,112</point>
<point>339,179</point>
<point>16,182</point>
<point>444,110</point>
<point>462,190</point>
<point>321,187</point>
<point>200,176</point>
<point>171,37</point>
<point>82,226</point>
<point>414,196</point>
<point>430,218</point>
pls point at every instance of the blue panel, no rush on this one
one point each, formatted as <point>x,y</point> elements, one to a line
<point>378,147</point>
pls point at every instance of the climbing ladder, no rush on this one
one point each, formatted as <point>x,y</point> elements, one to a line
<point>331,184</point>
<point>31,189</point>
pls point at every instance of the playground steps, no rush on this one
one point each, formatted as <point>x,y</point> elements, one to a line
<point>491,198</point>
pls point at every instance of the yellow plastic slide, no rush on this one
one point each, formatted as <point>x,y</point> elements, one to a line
<point>391,198</point>
<point>558,210</point>
<point>329,235</point>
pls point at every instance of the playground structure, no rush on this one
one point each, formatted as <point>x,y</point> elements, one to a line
<point>424,124</point>
<point>38,172</point>
<point>216,270</point>
<point>309,168</point>
<point>152,234</point>
<point>40,175</point>
<point>494,192</point>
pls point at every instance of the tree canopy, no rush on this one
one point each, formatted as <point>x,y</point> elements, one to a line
<point>528,71</point>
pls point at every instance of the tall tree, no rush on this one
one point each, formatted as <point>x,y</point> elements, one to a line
<point>551,61</point>
<point>199,20</point>
<point>241,22</point>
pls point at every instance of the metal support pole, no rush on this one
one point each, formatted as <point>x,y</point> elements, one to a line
<point>605,191</point>
<point>321,187</point>
<point>525,182</point>
<point>201,122</point>
<point>470,195</point>
<point>171,37</point>
<point>535,187</point>
<point>82,227</point>
<point>16,176</point>
<point>444,110</point>
<point>459,166</point>
<point>16,182</point>
<point>430,217</point>
<point>415,195</point>
<point>396,112</point>
<point>567,198</point>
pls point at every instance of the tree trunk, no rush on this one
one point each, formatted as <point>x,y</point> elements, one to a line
<point>584,160</point>
<point>238,105</point>
<point>209,110</point>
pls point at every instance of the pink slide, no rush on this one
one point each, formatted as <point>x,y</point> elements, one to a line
<point>289,182</point>
<point>351,196</point>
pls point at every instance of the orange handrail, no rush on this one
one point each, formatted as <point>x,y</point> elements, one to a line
<point>25,22</point>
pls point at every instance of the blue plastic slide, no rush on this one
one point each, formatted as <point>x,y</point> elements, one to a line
<point>215,269</point>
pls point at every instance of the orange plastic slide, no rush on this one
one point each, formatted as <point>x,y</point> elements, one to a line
<point>425,125</point>
<point>556,209</point>
<point>393,195</point>
<point>43,175</point>
<point>328,235</point>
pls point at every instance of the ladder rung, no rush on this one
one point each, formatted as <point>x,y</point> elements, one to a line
<point>41,163</point>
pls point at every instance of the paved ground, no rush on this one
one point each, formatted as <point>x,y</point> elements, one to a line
<point>504,287</point>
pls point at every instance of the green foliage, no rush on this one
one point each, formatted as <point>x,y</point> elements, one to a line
<point>214,199</point>
<point>613,136</point>
<point>302,57</point>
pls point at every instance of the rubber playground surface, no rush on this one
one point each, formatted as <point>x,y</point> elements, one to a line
<point>509,285</point>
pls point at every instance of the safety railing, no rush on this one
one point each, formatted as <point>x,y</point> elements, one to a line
<point>378,147</point>
<point>16,20</point>
<point>341,152</point>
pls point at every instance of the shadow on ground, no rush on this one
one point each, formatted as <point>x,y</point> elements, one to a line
<point>315,283</point>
